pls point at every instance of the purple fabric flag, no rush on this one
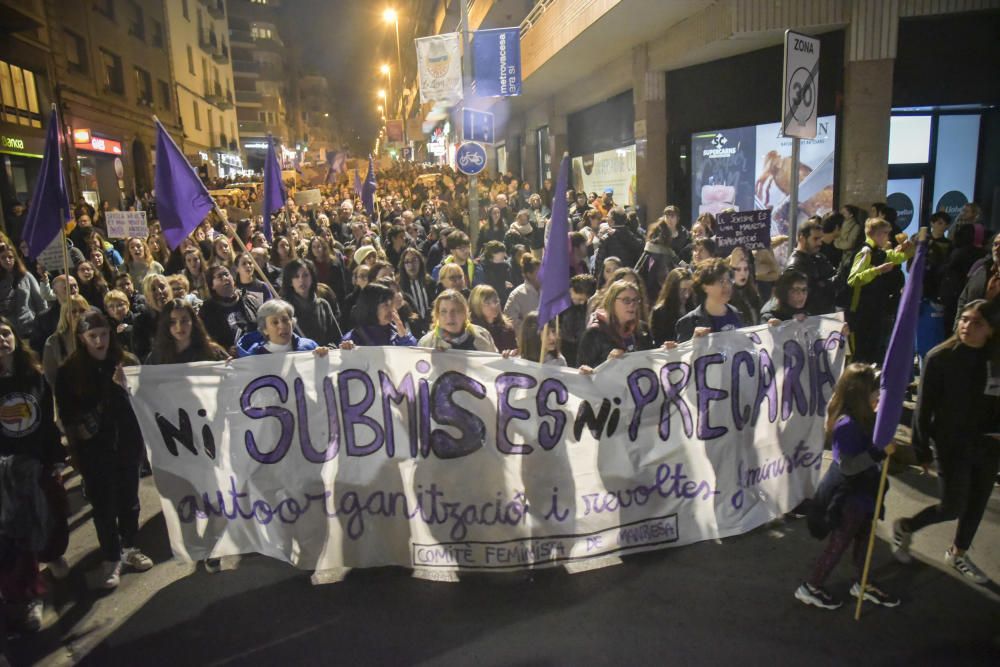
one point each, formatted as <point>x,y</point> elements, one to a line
<point>897,369</point>
<point>49,209</point>
<point>368,189</point>
<point>274,189</point>
<point>357,184</point>
<point>182,200</point>
<point>554,272</point>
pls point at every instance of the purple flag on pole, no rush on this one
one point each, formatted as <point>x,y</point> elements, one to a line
<point>357,184</point>
<point>274,189</point>
<point>49,208</point>
<point>368,189</point>
<point>554,272</point>
<point>898,365</point>
<point>182,201</point>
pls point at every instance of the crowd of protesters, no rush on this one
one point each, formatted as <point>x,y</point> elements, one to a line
<point>414,271</point>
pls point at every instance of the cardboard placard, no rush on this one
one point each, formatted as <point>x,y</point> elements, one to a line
<point>304,197</point>
<point>126,224</point>
<point>746,229</point>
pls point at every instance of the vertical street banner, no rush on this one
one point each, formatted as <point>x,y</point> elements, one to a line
<point>394,131</point>
<point>469,461</point>
<point>496,57</point>
<point>439,68</point>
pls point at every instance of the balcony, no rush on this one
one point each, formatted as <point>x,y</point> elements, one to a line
<point>215,8</point>
<point>240,38</point>
<point>222,55</point>
<point>272,73</point>
<point>208,42</point>
<point>246,68</point>
<point>269,44</point>
<point>252,127</point>
<point>249,98</point>
<point>21,15</point>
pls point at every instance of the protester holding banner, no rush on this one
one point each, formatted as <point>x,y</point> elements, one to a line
<point>713,280</point>
<point>809,261</point>
<point>789,299</point>
<point>377,321</point>
<point>617,326</point>
<point>31,462</point>
<point>451,328</point>
<point>484,304</point>
<point>181,337</point>
<point>530,347</point>
<point>675,300</point>
<point>104,435</point>
<point>844,503</point>
<point>227,313</point>
<point>745,296</point>
<point>275,333</point>
<point>958,413</point>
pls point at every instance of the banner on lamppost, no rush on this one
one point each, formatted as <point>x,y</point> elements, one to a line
<point>439,68</point>
<point>496,57</point>
<point>394,131</point>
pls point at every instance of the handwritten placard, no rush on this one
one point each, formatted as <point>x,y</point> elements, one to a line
<point>305,197</point>
<point>746,229</point>
<point>126,224</point>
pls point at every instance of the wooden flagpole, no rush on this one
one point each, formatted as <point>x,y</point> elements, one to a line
<point>871,538</point>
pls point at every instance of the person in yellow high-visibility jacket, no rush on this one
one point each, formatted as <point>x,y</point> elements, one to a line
<point>869,314</point>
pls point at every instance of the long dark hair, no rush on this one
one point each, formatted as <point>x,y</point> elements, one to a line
<point>403,277</point>
<point>288,273</point>
<point>94,318</point>
<point>25,360</point>
<point>19,270</point>
<point>164,343</point>
<point>989,311</point>
<point>371,297</point>
<point>852,396</point>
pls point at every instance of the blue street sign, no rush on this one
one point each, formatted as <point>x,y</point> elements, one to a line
<point>496,57</point>
<point>471,158</point>
<point>477,126</point>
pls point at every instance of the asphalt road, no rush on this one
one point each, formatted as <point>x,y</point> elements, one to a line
<point>706,603</point>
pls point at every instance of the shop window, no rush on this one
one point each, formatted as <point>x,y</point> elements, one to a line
<point>76,53</point>
<point>137,26</point>
<point>18,96</point>
<point>114,78</point>
<point>190,59</point>
<point>197,115</point>
<point>164,94</point>
<point>909,139</point>
<point>157,36</point>
<point>144,86</point>
<point>106,7</point>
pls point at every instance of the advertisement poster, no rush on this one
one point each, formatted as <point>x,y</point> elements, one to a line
<point>439,68</point>
<point>749,168</point>
<point>613,169</point>
<point>496,57</point>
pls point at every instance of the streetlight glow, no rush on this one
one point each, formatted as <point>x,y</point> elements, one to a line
<point>381,93</point>
<point>384,68</point>
<point>390,15</point>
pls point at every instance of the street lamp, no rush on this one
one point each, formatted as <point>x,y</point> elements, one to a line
<point>387,71</point>
<point>391,16</point>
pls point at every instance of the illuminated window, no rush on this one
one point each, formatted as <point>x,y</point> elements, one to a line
<point>18,96</point>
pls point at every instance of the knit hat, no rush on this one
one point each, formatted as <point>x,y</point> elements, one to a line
<point>362,253</point>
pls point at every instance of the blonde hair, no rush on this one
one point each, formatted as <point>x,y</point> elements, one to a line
<point>479,295</point>
<point>116,296</point>
<point>873,225</point>
<point>449,295</point>
<point>66,314</point>
<point>447,270</point>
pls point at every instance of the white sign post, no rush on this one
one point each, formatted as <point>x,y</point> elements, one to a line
<point>799,108</point>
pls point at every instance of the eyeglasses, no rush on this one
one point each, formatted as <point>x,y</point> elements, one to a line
<point>411,262</point>
<point>493,301</point>
<point>628,300</point>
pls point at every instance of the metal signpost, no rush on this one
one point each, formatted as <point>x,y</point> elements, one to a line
<point>799,105</point>
<point>466,87</point>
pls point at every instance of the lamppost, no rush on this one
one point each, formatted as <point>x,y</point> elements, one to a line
<point>392,16</point>
<point>387,71</point>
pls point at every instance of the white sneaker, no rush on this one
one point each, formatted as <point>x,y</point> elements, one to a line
<point>111,574</point>
<point>58,568</point>
<point>966,567</point>
<point>33,615</point>
<point>136,560</point>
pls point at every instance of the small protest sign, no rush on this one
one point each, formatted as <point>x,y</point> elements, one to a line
<point>304,197</point>
<point>746,229</point>
<point>126,224</point>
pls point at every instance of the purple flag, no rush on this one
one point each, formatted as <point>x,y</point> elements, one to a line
<point>554,272</point>
<point>357,184</point>
<point>182,201</point>
<point>274,189</point>
<point>49,209</point>
<point>368,189</point>
<point>897,368</point>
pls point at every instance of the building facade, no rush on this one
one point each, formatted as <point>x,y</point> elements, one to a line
<point>203,79</point>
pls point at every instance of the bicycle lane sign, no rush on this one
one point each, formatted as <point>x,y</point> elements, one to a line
<point>470,158</point>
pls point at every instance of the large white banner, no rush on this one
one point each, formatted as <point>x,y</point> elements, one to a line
<point>467,461</point>
<point>439,68</point>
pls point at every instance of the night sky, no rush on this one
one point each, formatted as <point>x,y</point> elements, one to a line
<point>345,41</point>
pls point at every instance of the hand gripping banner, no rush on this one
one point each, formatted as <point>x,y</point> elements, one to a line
<point>467,461</point>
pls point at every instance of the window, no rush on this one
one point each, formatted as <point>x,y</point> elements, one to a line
<point>184,9</point>
<point>137,26</point>
<point>164,94</point>
<point>114,78</point>
<point>106,7</point>
<point>259,2</point>
<point>144,86</point>
<point>259,32</point>
<point>909,139</point>
<point>190,59</point>
<point>76,52</point>
<point>18,96</point>
<point>157,37</point>
<point>197,115</point>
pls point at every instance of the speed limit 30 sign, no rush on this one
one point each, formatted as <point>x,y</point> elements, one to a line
<point>800,92</point>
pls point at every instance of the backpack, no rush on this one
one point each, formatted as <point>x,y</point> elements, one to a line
<point>842,292</point>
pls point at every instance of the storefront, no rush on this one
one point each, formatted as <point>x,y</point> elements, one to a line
<point>20,159</point>
<point>101,170</point>
<point>230,165</point>
<point>602,148</point>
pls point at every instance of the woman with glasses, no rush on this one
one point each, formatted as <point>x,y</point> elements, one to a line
<point>617,327</point>
<point>377,320</point>
<point>713,280</point>
<point>416,284</point>
<point>791,292</point>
